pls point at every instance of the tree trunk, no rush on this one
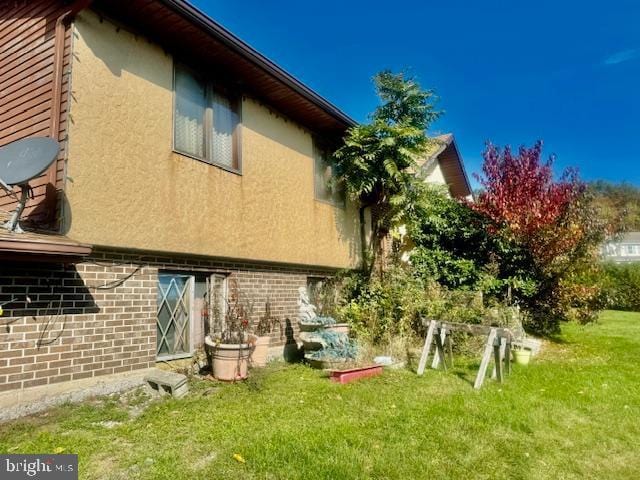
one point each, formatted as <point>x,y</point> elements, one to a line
<point>381,242</point>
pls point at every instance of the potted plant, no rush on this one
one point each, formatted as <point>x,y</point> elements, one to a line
<point>229,342</point>
<point>263,330</point>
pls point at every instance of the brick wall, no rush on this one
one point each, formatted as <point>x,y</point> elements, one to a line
<point>99,317</point>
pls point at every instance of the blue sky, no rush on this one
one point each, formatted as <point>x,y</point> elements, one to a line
<point>566,72</point>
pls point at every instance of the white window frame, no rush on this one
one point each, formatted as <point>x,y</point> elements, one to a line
<point>191,298</point>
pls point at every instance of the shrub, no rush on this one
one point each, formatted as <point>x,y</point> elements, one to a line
<point>621,286</point>
<point>382,309</point>
<point>451,241</point>
<point>539,259</point>
<point>547,233</point>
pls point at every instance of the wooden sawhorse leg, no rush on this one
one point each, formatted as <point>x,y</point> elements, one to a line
<point>427,346</point>
<point>486,357</point>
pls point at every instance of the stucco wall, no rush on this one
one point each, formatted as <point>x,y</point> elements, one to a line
<point>434,175</point>
<point>127,188</point>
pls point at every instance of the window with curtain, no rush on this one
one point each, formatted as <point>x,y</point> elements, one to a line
<point>206,121</point>
<point>190,108</point>
<point>326,189</point>
<point>225,121</point>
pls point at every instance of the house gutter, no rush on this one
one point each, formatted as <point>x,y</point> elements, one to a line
<point>19,248</point>
<point>234,43</point>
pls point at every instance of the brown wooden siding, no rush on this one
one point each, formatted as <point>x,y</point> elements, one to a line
<point>27,38</point>
<point>453,171</point>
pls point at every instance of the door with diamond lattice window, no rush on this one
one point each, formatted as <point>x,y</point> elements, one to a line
<point>175,300</point>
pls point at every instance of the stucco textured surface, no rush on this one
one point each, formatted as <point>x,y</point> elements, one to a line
<point>127,188</point>
<point>434,175</point>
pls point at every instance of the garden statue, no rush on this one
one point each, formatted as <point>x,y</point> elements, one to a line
<point>323,340</point>
<point>307,309</point>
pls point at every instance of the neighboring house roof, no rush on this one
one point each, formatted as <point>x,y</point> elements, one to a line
<point>446,155</point>
<point>193,36</point>
<point>629,237</point>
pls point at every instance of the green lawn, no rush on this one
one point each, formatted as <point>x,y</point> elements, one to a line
<point>573,413</point>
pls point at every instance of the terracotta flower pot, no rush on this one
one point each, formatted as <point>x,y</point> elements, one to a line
<point>230,361</point>
<point>260,353</point>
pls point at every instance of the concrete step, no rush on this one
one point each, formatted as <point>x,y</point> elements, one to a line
<point>167,382</point>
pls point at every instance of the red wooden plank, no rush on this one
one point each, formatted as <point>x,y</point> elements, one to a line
<point>346,376</point>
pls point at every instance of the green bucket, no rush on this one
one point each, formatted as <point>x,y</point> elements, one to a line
<point>522,357</point>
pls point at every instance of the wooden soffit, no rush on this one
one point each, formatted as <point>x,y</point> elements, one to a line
<point>192,36</point>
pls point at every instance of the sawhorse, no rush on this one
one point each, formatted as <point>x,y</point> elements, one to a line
<point>498,342</point>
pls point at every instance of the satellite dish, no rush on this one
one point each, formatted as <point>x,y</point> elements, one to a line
<point>20,162</point>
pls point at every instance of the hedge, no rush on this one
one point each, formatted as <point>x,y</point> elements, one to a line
<point>621,285</point>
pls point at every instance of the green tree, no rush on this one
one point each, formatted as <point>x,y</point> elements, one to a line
<point>377,161</point>
<point>618,204</point>
<point>451,243</point>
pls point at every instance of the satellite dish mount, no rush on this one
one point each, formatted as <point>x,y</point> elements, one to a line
<point>13,224</point>
<point>20,162</point>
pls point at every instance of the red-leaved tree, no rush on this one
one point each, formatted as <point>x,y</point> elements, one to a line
<point>546,228</point>
<point>521,199</point>
<point>520,192</point>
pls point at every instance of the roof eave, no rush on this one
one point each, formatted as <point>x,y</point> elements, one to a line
<point>462,167</point>
<point>21,249</point>
<point>215,29</point>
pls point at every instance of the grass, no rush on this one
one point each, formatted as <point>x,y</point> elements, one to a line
<point>572,413</point>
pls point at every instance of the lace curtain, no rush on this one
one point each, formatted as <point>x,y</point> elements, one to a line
<point>192,107</point>
<point>224,123</point>
<point>189,115</point>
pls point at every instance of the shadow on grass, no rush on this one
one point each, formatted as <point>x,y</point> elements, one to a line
<point>469,371</point>
<point>465,376</point>
<point>557,339</point>
<point>464,368</point>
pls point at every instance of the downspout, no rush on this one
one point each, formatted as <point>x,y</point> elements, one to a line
<point>58,64</point>
<point>58,78</point>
